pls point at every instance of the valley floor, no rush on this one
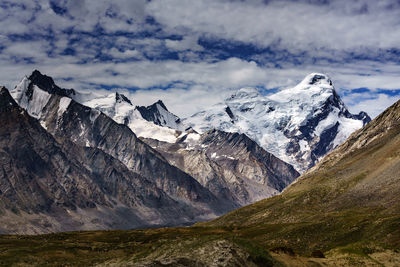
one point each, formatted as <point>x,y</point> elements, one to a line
<point>192,246</point>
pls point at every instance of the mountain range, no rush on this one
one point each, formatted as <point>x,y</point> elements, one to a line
<point>127,166</point>
<point>345,211</point>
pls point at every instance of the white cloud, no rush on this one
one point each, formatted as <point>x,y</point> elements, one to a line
<point>198,77</point>
<point>290,25</point>
<point>373,104</point>
<point>183,102</point>
<point>187,43</point>
<point>128,53</point>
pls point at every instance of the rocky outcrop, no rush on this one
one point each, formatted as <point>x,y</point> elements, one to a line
<point>159,115</point>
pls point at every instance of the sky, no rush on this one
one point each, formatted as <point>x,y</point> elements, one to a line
<point>194,53</point>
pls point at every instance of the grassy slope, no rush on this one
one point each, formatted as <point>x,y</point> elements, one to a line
<point>349,204</point>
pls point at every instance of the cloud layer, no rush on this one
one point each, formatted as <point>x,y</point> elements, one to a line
<point>194,53</point>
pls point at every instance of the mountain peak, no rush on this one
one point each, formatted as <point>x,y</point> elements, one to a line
<point>317,79</point>
<point>246,92</point>
<point>298,125</point>
<point>47,84</point>
<point>119,98</point>
<point>159,115</point>
<point>159,102</point>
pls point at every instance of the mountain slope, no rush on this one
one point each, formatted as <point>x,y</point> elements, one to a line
<point>47,187</point>
<point>298,125</point>
<point>230,165</point>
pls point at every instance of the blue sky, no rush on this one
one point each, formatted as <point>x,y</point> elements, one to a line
<point>192,54</point>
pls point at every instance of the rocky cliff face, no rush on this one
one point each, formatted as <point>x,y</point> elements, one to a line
<point>298,125</point>
<point>159,115</point>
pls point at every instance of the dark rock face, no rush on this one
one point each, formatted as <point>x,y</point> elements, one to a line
<point>49,184</point>
<point>276,173</point>
<point>121,98</point>
<point>230,114</point>
<point>230,165</point>
<point>47,84</point>
<point>7,103</point>
<point>154,113</point>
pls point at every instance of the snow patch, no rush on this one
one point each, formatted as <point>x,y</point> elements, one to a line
<point>39,100</point>
<point>63,106</point>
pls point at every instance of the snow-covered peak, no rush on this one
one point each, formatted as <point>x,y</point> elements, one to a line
<point>46,83</point>
<point>159,115</point>
<point>316,79</point>
<point>245,93</point>
<point>120,98</point>
<point>299,125</point>
<point>313,89</point>
<point>30,97</point>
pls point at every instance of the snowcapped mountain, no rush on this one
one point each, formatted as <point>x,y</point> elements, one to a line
<point>298,125</point>
<point>153,121</point>
<point>159,115</point>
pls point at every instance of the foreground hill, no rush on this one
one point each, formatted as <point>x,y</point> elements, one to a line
<point>343,212</point>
